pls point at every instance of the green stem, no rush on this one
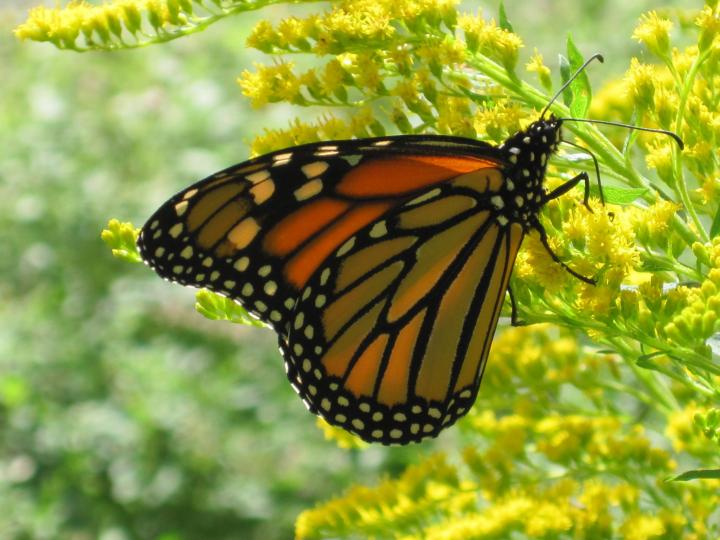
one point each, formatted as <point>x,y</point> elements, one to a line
<point>681,185</point>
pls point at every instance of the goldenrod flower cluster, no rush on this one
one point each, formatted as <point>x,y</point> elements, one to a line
<point>122,24</point>
<point>580,426</point>
<point>608,475</point>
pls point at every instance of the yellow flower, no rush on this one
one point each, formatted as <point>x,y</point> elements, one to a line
<point>537,65</point>
<point>641,80</point>
<point>654,31</point>
<point>344,439</point>
<point>709,23</point>
<point>642,527</point>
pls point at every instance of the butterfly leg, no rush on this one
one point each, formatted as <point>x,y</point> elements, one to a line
<point>567,186</point>
<point>514,320</point>
<point>546,245</point>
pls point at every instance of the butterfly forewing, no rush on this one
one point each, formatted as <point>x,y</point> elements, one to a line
<point>256,231</point>
<point>381,263</point>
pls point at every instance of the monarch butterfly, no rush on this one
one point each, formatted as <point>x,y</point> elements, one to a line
<point>382,264</point>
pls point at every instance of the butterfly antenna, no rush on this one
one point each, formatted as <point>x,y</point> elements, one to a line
<point>594,57</point>
<point>672,134</point>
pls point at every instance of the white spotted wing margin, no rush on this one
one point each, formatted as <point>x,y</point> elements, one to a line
<point>390,336</point>
<point>211,234</point>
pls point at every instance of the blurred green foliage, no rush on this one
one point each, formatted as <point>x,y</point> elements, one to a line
<point>123,413</point>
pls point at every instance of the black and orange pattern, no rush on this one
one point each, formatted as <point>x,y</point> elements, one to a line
<point>381,263</point>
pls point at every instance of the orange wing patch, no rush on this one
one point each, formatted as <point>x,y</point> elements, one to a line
<point>403,175</point>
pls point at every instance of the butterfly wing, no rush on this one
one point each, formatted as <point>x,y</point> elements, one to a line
<point>390,334</point>
<point>257,231</point>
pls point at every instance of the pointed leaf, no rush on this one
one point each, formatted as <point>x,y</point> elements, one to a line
<point>617,195</point>
<point>715,227</point>
<point>580,87</point>
<point>504,21</point>
<point>696,474</point>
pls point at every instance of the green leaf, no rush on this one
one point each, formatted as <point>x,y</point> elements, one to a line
<point>617,195</point>
<point>580,87</point>
<point>715,227</point>
<point>696,474</point>
<point>565,72</point>
<point>504,21</point>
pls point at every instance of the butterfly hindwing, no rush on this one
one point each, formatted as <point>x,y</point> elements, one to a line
<point>389,336</point>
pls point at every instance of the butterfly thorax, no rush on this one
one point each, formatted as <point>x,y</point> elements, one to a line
<point>526,154</point>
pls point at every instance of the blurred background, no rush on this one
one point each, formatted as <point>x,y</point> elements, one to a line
<point>124,414</point>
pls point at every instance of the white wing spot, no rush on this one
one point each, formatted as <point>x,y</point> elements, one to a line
<point>207,262</point>
<point>347,246</point>
<point>241,264</point>
<point>229,284</point>
<point>181,207</point>
<point>175,230</point>
<point>299,320</point>
<point>324,276</point>
<point>270,288</point>
<point>247,289</point>
<point>187,252</point>
<point>378,230</point>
